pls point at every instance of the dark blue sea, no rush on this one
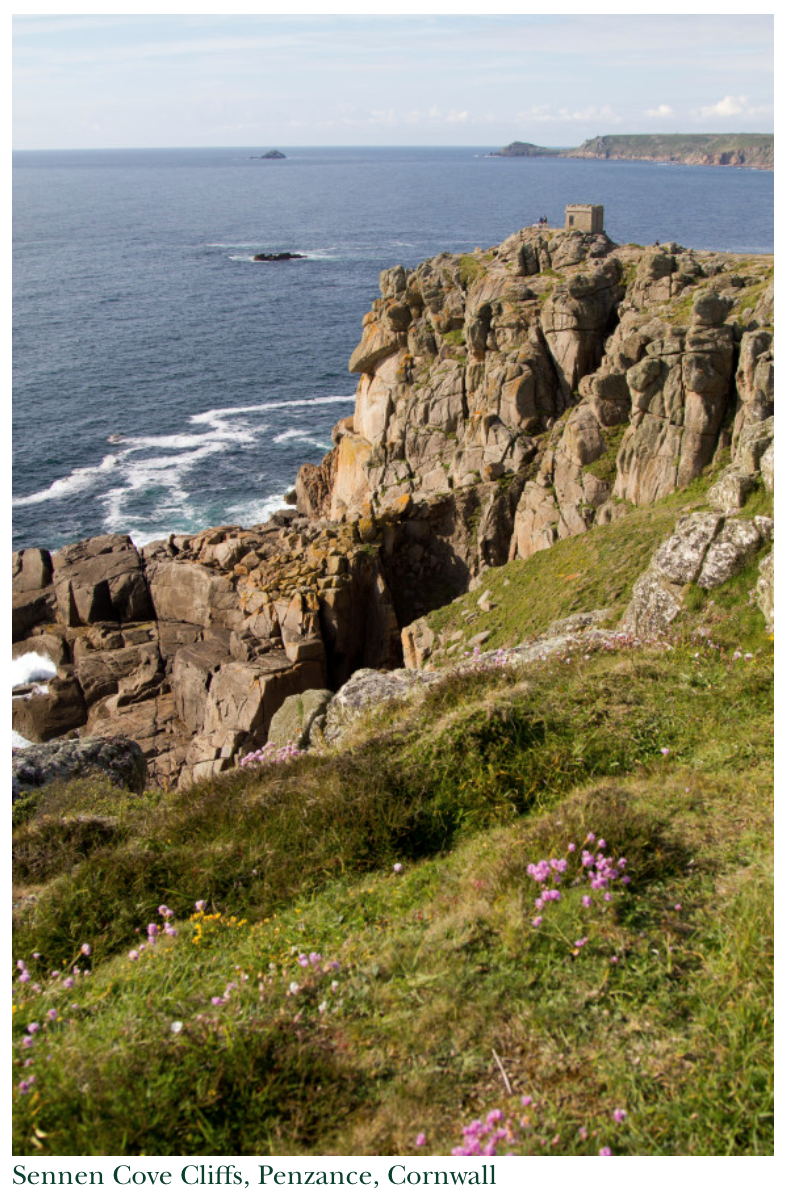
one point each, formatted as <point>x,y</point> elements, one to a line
<point>165,382</point>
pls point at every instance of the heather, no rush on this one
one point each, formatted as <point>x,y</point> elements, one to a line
<point>528,910</point>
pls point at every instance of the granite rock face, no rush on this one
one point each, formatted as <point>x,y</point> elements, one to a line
<point>507,399</point>
<point>584,374</point>
<point>192,646</point>
<point>706,549</point>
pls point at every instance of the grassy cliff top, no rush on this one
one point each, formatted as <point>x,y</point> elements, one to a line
<point>443,990</point>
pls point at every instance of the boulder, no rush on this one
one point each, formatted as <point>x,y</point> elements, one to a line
<point>100,579</point>
<point>299,718</point>
<point>57,707</point>
<point>118,758</point>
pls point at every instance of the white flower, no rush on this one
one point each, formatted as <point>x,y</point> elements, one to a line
<point>176,1026</point>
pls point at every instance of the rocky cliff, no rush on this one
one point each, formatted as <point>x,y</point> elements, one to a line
<point>694,149</point>
<point>508,398</point>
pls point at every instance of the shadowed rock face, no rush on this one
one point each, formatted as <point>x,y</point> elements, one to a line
<point>191,647</point>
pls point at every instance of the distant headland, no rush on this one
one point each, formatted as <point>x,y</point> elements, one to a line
<point>754,150</point>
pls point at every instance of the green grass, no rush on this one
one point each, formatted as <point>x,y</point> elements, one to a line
<point>470,269</point>
<point>594,570</point>
<point>445,989</point>
<point>454,337</point>
<point>605,467</point>
<point>441,968</point>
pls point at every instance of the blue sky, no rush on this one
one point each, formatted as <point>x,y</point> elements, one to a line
<point>96,81</point>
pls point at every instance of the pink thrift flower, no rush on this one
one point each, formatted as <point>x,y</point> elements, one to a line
<point>590,837</point>
<point>33,1027</point>
<point>536,922</point>
<point>678,908</point>
<point>420,1140</point>
<point>27,1041</point>
<point>665,751</point>
<point>586,901</point>
<point>571,847</point>
<point>68,983</point>
<point>24,977</point>
<point>86,950</point>
<point>200,905</point>
<point>526,1101</point>
<point>52,1014</point>
<point>398,868</point>
<point>605,1152</point>
<point>133,955</point>
<point>619,1115</point>
<point>614,959</point>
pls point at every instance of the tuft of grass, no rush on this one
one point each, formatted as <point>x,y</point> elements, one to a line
<point>470,269</point>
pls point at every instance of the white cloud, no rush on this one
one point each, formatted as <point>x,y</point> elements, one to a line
<point>663,110</point>
<point>733,106</point>
<point>544,112</point>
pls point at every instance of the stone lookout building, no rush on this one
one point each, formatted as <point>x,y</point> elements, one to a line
<point>587,218</point>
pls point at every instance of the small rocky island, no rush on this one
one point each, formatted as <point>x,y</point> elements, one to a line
<point>270,154</point>
<point>284,256</point>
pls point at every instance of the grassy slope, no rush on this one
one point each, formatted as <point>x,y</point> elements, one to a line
<point>443,984</point>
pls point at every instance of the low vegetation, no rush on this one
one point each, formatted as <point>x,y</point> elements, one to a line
<point>529,906</point>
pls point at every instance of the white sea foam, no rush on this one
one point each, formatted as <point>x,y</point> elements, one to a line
<point>301,435</point>
<point>80,480</point>
<point>157,467</point>
<point>31,668</point>
<point>255,512</point>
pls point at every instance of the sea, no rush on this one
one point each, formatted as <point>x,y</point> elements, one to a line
<point>164,381</point>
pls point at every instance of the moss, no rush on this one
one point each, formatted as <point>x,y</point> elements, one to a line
<point>455,337</point>
<point>470,270</point>
<point>605,467</point>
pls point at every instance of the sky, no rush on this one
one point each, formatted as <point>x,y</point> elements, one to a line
<point>118,81</point>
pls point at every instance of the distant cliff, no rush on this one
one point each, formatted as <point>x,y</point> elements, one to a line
<point>695,149</point>
<point>756,150</point>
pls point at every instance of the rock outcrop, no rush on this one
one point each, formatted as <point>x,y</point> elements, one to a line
<point>192,646</point>
<point>573,373</point>
<point>119,759</point>
<point>508,398</point>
